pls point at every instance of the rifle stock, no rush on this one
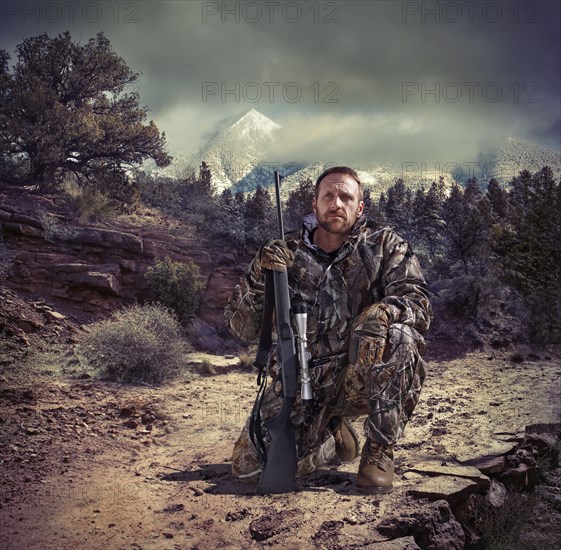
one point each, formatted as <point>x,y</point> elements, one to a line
<point>280,467</point>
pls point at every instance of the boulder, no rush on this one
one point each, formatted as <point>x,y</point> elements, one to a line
<point>520,477</point>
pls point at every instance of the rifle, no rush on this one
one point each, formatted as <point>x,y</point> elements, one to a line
<point>280,466</point>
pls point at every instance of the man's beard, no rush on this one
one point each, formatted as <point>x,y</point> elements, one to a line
<point>329,224</point>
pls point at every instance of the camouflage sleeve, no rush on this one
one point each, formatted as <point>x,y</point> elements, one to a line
<point>244,311</point>
<point>404,286</point>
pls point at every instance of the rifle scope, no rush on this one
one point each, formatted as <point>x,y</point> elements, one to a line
<point>300,312</point>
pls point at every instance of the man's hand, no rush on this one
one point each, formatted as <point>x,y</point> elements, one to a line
<point>275,255</point>
<point>369,334</point>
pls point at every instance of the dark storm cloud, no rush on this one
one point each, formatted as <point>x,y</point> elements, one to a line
<point>361,80</point>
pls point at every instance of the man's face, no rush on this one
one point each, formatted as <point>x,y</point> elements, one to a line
<point>337,205</point>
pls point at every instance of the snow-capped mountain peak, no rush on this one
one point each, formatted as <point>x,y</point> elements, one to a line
<point>254,120</point>
<point>237,148</point>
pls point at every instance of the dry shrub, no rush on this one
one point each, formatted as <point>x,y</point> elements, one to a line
<point>502,528</point>
<point>92,205</point>
<point>246,361</point>
<point>139,344</point>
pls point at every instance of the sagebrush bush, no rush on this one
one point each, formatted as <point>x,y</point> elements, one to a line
<point>139,344</point>
<point>177,285</point>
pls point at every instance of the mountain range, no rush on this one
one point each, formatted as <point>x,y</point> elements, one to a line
<point>237,155</point>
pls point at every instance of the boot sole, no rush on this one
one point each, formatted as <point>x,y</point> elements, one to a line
<point>375,490</point>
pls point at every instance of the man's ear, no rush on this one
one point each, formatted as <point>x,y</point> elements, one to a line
<point>360,207</point>
<point>314,205</point>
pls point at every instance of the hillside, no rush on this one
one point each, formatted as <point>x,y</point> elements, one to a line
<point>87,270</point>
<point>516,154</point>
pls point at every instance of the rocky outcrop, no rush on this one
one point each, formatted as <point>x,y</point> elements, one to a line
<point>432,526</point>
<point>464,493</point>
<point>95,269</point>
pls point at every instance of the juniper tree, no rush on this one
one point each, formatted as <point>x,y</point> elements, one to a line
<point>68,107</point>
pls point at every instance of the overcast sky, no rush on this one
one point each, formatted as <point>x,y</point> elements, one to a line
<point>358,82</point>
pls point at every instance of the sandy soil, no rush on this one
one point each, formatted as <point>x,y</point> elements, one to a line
<point>96,465</point>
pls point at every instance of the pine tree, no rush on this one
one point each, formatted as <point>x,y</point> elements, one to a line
<point>498,197</point>
<point>299,203</point>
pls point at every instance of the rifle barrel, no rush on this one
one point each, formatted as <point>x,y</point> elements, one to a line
<point>279,206</point>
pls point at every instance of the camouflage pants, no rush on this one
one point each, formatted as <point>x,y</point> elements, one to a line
<point>386,392</point>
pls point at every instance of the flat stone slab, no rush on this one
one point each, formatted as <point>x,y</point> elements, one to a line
<point>403,543</point>
<point>491,448</point>
<point>435,468</point>
<point>215,360</point>
<point>489,465</point>
<point>449,488</point>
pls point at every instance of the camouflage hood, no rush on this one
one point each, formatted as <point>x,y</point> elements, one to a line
<point>310,224</point>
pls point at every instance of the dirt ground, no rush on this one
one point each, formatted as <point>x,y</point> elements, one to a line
<point>91,464</point>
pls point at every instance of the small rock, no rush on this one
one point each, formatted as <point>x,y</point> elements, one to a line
<point>237,516</point>
<point>516,477</point>
<point>173,508</point>
<point>542,442</point>
<point>126,412</point>
<point>56,315</point>
<point>496,495</point>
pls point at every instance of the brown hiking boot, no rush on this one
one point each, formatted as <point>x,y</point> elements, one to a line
<point>375,473</point>
<point>346,440</point>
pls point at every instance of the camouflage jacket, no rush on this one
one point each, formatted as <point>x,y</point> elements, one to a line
<point>373,265</point>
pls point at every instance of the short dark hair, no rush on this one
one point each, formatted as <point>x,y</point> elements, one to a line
<point>340,170</point>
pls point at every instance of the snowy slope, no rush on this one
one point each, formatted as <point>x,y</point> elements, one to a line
<point>516,154</point>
